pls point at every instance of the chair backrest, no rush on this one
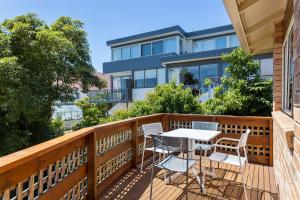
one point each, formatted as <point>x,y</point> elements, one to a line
<point>244,138</point>
<point>153,128</point>
<point>212,126</point>
<point>171,144</point>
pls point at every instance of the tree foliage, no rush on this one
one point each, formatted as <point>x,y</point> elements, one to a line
<point>39,64</point>
<point>243,91</point>
<point>167,98</point>
<point>93,113</point>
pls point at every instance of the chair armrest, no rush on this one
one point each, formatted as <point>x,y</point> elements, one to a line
<point>224,146</point>
<point>228,139</point>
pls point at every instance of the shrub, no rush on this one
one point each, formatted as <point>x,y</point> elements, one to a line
<point>242,91</point>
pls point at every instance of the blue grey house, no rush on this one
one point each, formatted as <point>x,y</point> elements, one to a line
<point>140,62</point>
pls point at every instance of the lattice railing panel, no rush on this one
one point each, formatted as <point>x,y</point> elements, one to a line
<point>112,165</point>
<point>258,131</point>
<point>149,143</point>
<point>79,191</point>
<point>109,142</point>
<point>43,180</point>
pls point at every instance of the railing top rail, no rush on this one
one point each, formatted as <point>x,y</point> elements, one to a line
<point>221,116</point>
<point>124,121</point>
<point>15,159</point>
<point>12,160</point>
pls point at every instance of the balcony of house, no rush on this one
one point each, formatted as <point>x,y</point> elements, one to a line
<point>110,95</point>
<point>102,162</point>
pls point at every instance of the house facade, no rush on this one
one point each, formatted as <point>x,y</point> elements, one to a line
<point>140,62</point>
<point>273,26</point>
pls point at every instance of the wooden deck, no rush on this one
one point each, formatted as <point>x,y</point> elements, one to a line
<point>136,185</point>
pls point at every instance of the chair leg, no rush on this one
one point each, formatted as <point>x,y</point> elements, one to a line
<point>249,175</point>
<point>213,166</point>
<point>152,174</point>
<point>244,183</point>
<point>165,172</point>
<point>186,185</point>
<point>143,154</point>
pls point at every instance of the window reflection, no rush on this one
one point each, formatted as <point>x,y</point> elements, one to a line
<point>139,79</point>
<point>150,78</point>
<point>126,53</point>
<point>146,49</point>
<point>157,47</point>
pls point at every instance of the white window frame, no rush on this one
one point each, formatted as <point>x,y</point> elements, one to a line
<point>147,42</point>
<point>285,69</point>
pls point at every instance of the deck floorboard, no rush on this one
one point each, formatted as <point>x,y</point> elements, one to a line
<point>228,185</point>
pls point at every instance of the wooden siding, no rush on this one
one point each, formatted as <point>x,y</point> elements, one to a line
<point>83,164</point>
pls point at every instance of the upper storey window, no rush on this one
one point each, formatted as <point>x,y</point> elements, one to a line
<point>146,49</point>
<point>157,47</point>
<point>215,43</point>
<point>135,51</point>
<point>168,45</point>
<point>116,54</point>
<point>125,53</point>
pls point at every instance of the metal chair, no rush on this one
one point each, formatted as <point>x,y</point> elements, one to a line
<point>212,126</point>
<point>237,160</point>
<point>173,163</point>
<point>149,129</point>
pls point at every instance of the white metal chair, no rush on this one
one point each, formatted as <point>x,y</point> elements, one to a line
<point>149,129</point>
<point>237,160</point>
<point>212,126</point>
<point>173,163</point>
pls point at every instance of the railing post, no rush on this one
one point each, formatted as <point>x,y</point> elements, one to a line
<point>134,143</point>
<point>165,122</point>
<point>271,142</point>
<point>91,166</point>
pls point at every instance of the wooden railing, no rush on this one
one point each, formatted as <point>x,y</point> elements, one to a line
<point>84,163</point>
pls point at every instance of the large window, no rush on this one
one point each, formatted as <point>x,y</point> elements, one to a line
<point>194,75</point>
<point>190,75</point>
<point>234,41</point>
<point>170,45</point>
<point>121,82</point>
<point>266,68</point>
<point>135,51</point>
<point>125,53</point>
<point>288,72</point>
<point>117,83</point>
<point>174,74</point>
<point>139,77</point>
<point>161,75</point>
<point>221,42</point>
<point>157,47</point>
<point>150,78</point>
<point>209,71</point>
<point>145,78</point>
<point>146,49</point>
<point>116,54</point>
<point>215,43</point>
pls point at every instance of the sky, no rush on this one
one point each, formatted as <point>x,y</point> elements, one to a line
<point>111,19</point>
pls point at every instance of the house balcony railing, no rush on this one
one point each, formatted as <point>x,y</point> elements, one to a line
<point>83,164</point>
<point>111,95</point>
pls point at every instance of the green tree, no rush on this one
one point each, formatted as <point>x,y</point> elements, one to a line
<point>242,91</point>
<point>167,98</point>
<point>39,65</point>
<point>93,113</point>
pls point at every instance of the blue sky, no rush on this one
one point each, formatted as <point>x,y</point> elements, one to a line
<point>110,19</point>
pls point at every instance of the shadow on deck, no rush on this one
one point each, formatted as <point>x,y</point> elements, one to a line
<point>228,185</point>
